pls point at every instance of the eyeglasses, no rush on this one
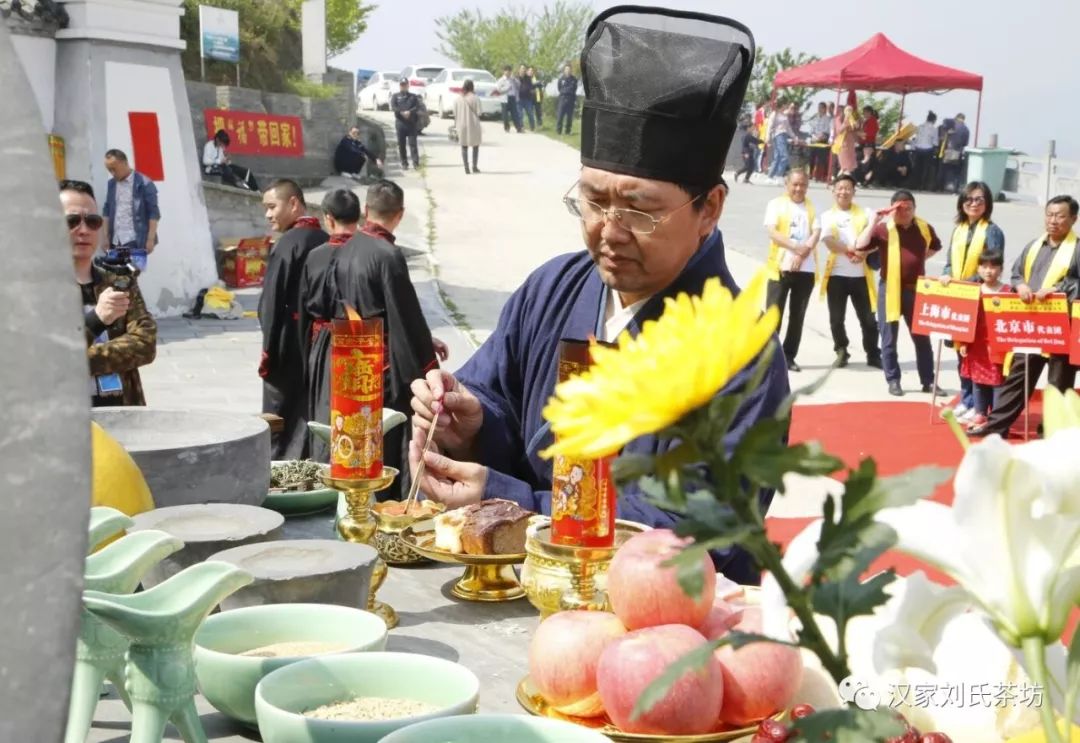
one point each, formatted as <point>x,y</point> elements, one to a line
<point>92,221</point>
<point>974,200</point>
<point>637,222</point>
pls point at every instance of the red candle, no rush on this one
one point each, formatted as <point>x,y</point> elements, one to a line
<point>356,397</point>
<point>582,492</point>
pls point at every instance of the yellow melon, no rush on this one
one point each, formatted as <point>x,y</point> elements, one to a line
<point>117,480</point>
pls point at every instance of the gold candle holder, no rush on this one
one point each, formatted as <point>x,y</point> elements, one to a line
<point>359,525</point>
<point>558,577</point>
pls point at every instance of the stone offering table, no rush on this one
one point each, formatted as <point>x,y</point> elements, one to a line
<point>492,640</point>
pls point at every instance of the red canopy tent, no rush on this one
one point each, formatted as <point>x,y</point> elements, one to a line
<point>878,65</point>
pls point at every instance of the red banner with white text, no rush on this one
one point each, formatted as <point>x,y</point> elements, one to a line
<point>252,133</point>
<point>952,310</point>
<point>1012,323</point>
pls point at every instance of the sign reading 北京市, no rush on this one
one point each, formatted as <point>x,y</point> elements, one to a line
<point>1012,323</point>
<point>952,311</point>
<point>253,133</point>
<point>219,34</point>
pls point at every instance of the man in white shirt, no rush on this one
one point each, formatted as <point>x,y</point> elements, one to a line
<point>926,143</point>
<point>846,275</point>
<point>793,230</point>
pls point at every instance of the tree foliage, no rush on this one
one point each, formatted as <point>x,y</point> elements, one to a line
<point>270,42</point>
<point>765,68</point>
<point>546,39</point>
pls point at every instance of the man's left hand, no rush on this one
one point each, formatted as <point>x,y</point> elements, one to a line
<point>1044,293</point>
<point>446,480</point>
<point>150,245</point>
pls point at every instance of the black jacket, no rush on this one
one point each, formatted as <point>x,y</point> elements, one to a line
<point>402,102</point>
<point>568,87</point>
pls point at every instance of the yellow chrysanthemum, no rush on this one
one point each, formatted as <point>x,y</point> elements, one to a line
<point>675,365</point>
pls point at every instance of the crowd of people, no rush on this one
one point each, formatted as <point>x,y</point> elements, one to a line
<point>874,260</point>
<point>928,157</point>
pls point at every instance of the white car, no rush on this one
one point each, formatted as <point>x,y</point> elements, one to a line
<point>376,94</point>
<point>420,76</point>
<point>444,90</point>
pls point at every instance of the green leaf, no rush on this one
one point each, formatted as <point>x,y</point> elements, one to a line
<point>738,639</point>
<point>693,661</point>
<point>900,490</point>
<point>851,598</point>
<point>630,467</point>
<point>763,458</point>
<point>784,411</point>
<point>848,725</point>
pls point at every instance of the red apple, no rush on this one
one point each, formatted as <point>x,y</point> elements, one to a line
<point>630,663</point>
<point>563,657</point>
<point>720,619</point>
<point>759,679</point>
<point>643,594</point>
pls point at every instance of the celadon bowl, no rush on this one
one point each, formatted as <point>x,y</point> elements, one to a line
<point>495,729</point>
<point>283,696</point>
<point>228,679</point>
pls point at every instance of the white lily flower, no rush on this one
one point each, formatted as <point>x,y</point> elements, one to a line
<point>1012,535</point>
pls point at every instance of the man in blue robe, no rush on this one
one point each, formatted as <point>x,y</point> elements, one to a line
<point>660,112</point>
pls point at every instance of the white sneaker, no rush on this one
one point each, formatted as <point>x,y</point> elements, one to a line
<point>969,415</point>
<point>960,410</point>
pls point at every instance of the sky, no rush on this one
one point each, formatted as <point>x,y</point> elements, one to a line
<point>1027,52</point>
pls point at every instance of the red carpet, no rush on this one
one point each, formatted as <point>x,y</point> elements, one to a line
<point>898,436</point>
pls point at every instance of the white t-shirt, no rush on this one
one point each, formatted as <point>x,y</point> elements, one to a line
<point>799,228</point>
<point>845,229</point>
<point>617,317</point>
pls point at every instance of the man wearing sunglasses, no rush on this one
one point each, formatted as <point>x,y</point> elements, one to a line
<point>660,112</point>
<point>121,335</point>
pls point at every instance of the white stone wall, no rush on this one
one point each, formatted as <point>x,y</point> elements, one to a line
<point>38,57</point>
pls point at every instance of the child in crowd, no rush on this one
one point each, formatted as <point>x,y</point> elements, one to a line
<point>976,364</point>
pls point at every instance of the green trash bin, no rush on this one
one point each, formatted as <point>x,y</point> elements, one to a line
<point>988,165</point>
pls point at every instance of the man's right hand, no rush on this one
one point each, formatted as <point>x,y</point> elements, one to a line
<point>1026,295</point>
<point>112,305</point>
<point>461,416</point>
<point>944,279</point>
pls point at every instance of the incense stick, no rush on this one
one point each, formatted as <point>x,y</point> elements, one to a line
<point>436,408</point>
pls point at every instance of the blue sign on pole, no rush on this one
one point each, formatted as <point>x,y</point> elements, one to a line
<point>220,34</point>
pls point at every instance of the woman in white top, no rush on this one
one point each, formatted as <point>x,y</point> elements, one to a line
<point>467,121</point>
<point>215,160</point>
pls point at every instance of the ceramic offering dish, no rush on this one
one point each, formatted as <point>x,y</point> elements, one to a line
<point>315,571</point>
<point>486,578</point>
<point>299,498</point>
<point>235,649</point>
<point>389,681</point>
<point>205,529</point>
<point>495,729</point>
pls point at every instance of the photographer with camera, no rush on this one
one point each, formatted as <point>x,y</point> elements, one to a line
<point>121,335</point>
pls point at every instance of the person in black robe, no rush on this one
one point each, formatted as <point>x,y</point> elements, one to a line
<point>371,276</point>
<point>351,155</point>
<point>658,83</point>
<point>282,366</point>
<point>318,305</point>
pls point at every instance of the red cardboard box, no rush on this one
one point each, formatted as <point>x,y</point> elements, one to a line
<point>243,262</point>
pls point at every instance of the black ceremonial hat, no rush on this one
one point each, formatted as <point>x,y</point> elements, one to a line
<point>663,92</point>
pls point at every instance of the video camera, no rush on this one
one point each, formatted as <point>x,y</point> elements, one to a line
<point>118,262</point>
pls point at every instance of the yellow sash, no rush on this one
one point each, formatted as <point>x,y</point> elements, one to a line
<point>892,281</point>
<point>1058,268</point>
<point>783,226</point>
<point>840,140</point>
<point>859,221</point>
<point>966,266</point>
